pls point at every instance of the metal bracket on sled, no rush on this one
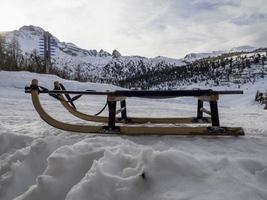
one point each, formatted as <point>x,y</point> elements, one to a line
<point>223,130</point>
<point>217,130</point>
<point>108,130</point>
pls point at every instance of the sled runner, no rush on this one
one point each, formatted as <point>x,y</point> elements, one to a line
<point>113,97</point>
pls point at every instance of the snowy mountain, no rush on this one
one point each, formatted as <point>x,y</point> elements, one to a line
<point>73,62</point>
<point>68,56</point>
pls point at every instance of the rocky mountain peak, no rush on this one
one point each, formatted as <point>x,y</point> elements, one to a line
<point>34,30</point>
<point>103,53</point>
<point>116,54</point>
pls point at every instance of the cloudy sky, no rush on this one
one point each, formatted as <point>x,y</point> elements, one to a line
<point>149,28</point>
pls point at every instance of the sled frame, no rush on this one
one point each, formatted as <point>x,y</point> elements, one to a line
<point>111,127</point>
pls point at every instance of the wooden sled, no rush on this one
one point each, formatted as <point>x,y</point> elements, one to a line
<point>137,130</point>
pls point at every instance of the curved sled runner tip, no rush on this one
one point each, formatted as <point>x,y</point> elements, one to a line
<point>140,130</point>
<point>55,123</point>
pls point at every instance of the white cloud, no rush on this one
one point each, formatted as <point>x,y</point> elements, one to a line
<point>149,28</point>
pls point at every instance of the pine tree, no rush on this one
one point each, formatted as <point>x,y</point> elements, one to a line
<point>2,51</point>
<point>14,54</point>
<point>78,73</point>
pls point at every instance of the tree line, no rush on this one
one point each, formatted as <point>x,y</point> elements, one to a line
<point>204,70</point>
<point>13,59</point>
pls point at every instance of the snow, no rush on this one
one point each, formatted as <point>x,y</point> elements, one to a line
<point>40,162</point>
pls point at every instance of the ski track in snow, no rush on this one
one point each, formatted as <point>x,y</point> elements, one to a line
<point>40,162</point>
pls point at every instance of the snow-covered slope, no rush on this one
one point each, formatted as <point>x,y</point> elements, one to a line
<point>196,56</point>
<point>191,57</point>
<point>24,78</point>
<point>40,162</point>
<point>245,48</point>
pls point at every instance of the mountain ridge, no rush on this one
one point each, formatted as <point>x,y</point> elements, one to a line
<point>73,62</point>
<point>38,31</point>
<point>69,56</point>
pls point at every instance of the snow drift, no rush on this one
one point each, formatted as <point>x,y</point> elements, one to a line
<point>115,168</point>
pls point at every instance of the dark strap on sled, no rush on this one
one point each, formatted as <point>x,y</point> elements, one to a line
<point>71,100</point>
<point>102,109</point>
<point>68,96</point>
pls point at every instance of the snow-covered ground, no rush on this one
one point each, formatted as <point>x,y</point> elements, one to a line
<point>40,162</point>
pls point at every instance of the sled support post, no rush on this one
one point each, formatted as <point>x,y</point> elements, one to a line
<point>199,109</point>
<point>214,113</point>
<point>112,114</point>
<point>124,111</point>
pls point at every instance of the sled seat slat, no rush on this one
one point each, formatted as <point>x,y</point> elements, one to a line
<point>144,93</point>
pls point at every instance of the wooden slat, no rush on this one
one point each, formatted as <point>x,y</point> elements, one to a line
<point>205,131</point>
<point>181,120</point>
<point>115,98</point>
<point>209,98</point>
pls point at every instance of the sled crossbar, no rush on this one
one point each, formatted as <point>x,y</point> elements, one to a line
<point>143,93</point>
<point>120,95</point>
